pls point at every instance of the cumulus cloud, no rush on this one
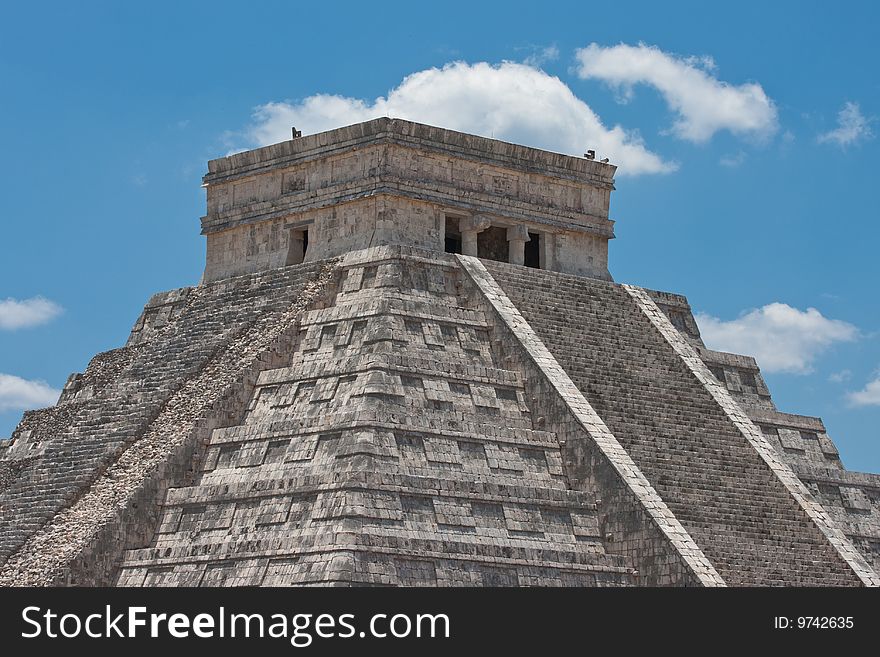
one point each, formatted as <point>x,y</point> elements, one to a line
<point>852,127</point>
<point>509,101</point>
<point>781,338</point>
<point>704,103</point>
<point>17,394</point>
<point>15,314</point>
<point>867,396</point>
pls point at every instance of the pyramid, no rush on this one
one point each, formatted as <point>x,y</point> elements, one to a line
<point>407,364</point>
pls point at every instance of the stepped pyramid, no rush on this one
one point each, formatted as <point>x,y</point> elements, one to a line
<point>407,364</point>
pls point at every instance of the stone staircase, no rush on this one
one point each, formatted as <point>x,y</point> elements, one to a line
<point>714,481</point>
<point>851,499</point>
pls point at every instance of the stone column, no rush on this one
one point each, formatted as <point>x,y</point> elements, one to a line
<point>469,242</point>
<point>548,247</point>
<point>517,236</point>
<point>470,227</point>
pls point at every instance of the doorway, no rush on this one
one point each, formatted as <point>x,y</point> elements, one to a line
<point>297,246</point>
<point>533,251</point>
<point>452,241</point>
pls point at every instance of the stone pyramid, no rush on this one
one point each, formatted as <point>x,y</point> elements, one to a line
<point>407,364</point>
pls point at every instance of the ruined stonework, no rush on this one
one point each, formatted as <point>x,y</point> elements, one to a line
<point>407,364</point>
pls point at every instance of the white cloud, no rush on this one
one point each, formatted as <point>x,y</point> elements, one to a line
<point>867,396</point>
<point>781,338</point>
<point>852,127</point>
<point>510,101</point>
<point>17,394</point>
<point>15,314</point>
<point>704,103</point>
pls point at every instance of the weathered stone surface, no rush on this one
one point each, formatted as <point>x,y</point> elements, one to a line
<point>394,447</point>
<point>340,402</point>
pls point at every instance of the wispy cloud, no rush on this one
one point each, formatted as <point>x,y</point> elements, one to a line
<point>852,127</point>
<point>840,377</point>
<point>17,394</point>
<point>733,160</point>
<point>704,103</point>
<point>781,338</point>
<point>15,314</point>
<point>510,101</point>
<point>867,396</point>
<point>540,55</point>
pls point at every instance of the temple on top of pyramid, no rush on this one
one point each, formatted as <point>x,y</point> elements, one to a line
<point>394,182</point>
<point>407,364</point>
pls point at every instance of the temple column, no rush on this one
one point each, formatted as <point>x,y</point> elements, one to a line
<point>470,227</point>
<point>517,236</point>
<point>548,246</point>
<point>469,242</point>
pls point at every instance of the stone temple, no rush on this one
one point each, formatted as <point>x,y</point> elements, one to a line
<point>407,364</point>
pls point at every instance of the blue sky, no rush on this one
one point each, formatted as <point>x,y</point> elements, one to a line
<point>745,136</point>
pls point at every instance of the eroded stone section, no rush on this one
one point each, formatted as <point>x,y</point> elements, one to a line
<point>125,446</point>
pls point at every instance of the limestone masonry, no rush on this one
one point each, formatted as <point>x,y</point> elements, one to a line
<point>407,364</point>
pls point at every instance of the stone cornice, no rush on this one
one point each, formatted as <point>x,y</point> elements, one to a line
<point>444,195</point>
<point>410,135</point>
<point>788,420</point>
<point>838,477</point>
